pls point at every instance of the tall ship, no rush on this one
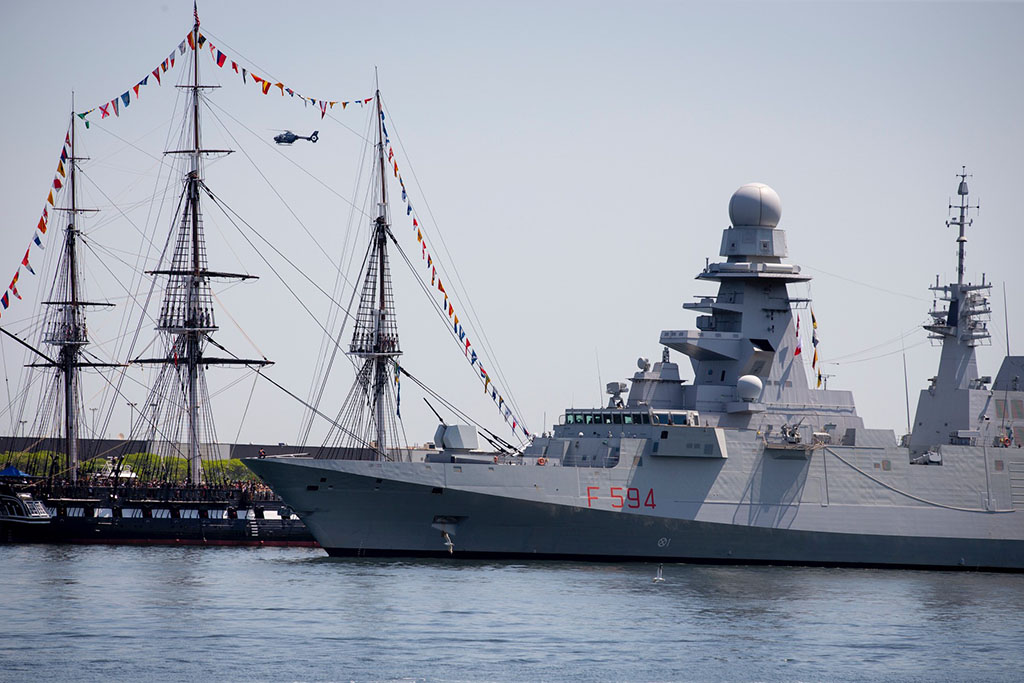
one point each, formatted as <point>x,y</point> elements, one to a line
<point>751,461</point>
<point>165,483</point>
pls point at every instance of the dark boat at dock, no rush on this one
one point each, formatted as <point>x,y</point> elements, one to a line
<point>244,514</point>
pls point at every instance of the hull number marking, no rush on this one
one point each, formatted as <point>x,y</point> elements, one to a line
<point>621,497</point>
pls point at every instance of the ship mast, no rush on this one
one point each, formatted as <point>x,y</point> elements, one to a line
<point>368,416</point>
<point>65,327</point>
<point>381,237</point>
<point>963,324</point>
<point>961,223</point>
<point>74,324</point>
<point>187,314</point>
<point>192,335</point>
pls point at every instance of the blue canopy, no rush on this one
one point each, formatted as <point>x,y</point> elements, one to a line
<point>12,471</point>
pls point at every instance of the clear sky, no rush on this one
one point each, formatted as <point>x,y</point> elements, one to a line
<point>576,158</point>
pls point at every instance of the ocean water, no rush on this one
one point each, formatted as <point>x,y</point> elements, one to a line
<point>91,613</point>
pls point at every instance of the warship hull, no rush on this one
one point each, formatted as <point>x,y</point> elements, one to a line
<point>785,511</point>
<point>746,463</point>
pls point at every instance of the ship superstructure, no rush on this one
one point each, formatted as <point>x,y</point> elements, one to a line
<point>746,463</point>
<point>957,406</point>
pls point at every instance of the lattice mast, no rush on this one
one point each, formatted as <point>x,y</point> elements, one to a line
<point>187,314</point>
<point>375,337</point>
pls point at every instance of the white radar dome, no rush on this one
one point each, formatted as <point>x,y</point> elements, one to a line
<point>755,204</point>
<point>749,387</point>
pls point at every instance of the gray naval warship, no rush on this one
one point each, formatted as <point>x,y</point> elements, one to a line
<point>746,463</point>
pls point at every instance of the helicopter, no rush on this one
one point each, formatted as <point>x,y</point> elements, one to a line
<point>288,137</point>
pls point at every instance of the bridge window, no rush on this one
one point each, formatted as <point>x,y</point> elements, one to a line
<point>662,419</point>
<point>627,419</point>
<point>647,418</point>
<point>590,419</point>
<point>617,418</point>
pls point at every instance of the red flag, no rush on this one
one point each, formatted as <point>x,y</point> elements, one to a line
<point>191,39</point>
<point>136,89</point>
<point>396,169</point>
<point>67,138</point>
<point>266,87</point>
<point>24,261</point>
<point>440,287</point>
<point>42,226</point>
<point>156,73</point>
<point>104,111</point>
<point>221,58</point>
<point>57,184</point>
<point>415,223</point>
<point>234,65</point>
<point>799,347</point>
<point>323,109</point>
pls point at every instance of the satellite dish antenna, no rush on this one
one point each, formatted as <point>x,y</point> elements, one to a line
<point>643,364</point>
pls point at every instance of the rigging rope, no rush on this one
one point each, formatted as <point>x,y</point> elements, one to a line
<point>464,293</point>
